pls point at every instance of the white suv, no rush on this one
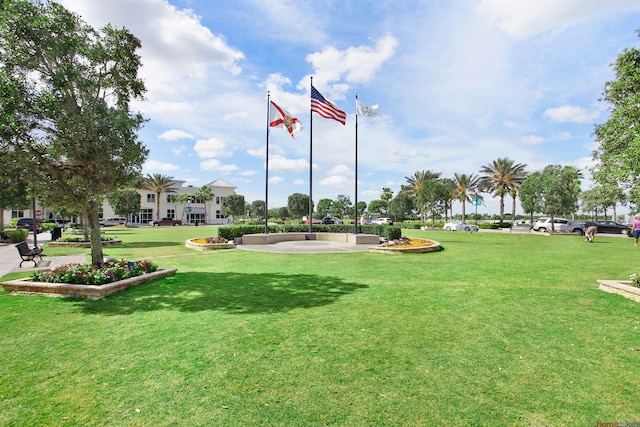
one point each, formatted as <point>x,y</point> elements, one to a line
<point>383,221</point>
<point>559,225</point>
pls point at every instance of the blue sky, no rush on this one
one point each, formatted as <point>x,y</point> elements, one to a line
<point>459,84</point>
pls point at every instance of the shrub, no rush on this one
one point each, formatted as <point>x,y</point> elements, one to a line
<point>233,231</point>
<point>392,233</point>
<point>14,236</point>
<point>488,225</point>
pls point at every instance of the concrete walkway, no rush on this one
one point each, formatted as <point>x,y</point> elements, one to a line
<point>10,258</point>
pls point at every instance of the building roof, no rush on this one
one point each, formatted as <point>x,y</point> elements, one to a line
<point>221,183</point>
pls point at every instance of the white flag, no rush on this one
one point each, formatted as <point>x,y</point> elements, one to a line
<point>363,109</point>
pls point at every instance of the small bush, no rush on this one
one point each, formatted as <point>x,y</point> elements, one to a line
<point>14,236</point>
<point>392,233</point>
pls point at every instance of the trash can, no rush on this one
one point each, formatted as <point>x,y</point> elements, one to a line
<point>56,233</point>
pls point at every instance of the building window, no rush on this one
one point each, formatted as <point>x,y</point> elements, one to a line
<point>145,215</point>
<point>218,214</point>
<point>151,198</point>
<point>17,214</point>
<point>198,201</point>
<point>195,218</point>
<point>171,213</point>
<point>218,200</point>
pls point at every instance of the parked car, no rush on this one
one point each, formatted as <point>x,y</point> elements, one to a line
<point>166,221</point>
<point>459,226</point>
<point>561,225</point>
<point>387,221</point>
<point>27,224</point>
<point>113,222</point>
<point>331,220</point>
<point>612,227</point>
<point>315,221</point>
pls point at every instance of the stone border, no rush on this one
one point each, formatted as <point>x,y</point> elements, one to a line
<point>265,239</point>
<point>92,292</point>
<point>207,246</point>
<point>620,287</point>
<point>80,244</point>
<point>434,247</point>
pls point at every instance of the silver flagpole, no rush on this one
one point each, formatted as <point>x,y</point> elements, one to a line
<point>355,215</point>
<point>311,164</point>
<point>266,179</point>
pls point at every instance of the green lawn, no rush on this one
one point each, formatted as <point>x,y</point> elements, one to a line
<point>496,329</point>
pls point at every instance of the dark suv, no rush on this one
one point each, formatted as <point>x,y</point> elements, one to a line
<point>27,224</point>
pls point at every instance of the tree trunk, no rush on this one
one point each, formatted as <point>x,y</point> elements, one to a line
<point>158,206</point>
<point>463,210</point>
<point>501,208</point>
<point>96,240</point>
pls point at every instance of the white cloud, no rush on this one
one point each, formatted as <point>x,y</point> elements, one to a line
<point>532,139</point>
<point>175,135</point>
<point>336,181</point>
<point>178,151</point>
<point>569,113</point>
<point>257,152</point>
<point>282,164</point>
<point>207,148</point>
<point>299,182</point>
<point>155,166</point>
<point>354,64</point>
<point>216,165</point>
<point>526,18</point>
<point>276,180</point>
<point>248,173</point>
<point>340,170</point>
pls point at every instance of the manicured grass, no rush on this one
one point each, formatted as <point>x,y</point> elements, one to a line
<point>496,329</point>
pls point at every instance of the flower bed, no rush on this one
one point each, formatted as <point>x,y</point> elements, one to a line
<point>86,274</point>
<point>209,243</point>
<point>407,245</point>
<point>83,281</point>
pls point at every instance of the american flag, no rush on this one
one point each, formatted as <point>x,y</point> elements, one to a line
<point>326,109</point>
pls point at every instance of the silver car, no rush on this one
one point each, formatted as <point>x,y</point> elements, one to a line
<point>561,225</point>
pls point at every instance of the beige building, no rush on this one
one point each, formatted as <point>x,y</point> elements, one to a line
<point>192,212</point>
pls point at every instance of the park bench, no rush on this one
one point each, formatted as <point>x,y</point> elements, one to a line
<point>28,254</point>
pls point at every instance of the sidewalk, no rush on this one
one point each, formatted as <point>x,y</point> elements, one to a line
<point>10,258</point>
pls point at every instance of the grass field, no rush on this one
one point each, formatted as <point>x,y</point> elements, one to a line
<point>497,329</point>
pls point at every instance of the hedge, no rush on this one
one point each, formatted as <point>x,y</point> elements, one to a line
<point>231,232</point>
<point>14,236</point>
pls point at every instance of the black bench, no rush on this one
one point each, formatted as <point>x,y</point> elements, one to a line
<point>28,254</point>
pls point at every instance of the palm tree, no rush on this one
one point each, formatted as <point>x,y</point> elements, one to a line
<point>419,178</point>
<point>160,184</point>
<point>502,177</point>
<point>463,187</point>
<point>206,195</point>
<point>184,198</point>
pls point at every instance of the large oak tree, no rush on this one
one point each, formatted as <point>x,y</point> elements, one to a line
<point>66,90</point>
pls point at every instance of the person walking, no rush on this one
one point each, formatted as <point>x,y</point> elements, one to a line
<point>590,234</point>
<point>636,230</point>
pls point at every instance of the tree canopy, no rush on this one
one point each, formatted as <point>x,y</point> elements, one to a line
<point>298,205</point>
<point>64,97</point>
<point>618,153</point>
